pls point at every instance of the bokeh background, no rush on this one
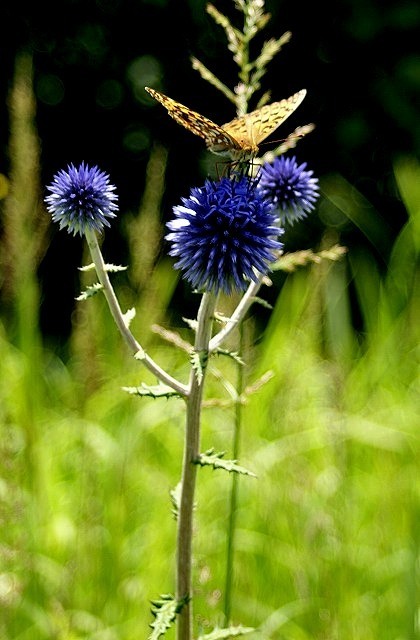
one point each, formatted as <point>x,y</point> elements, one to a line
<point>327,542</point>
<point>359,63</point>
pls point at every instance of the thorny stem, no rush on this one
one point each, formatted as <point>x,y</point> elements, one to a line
<point>189,470</point>
<point>118,316</point>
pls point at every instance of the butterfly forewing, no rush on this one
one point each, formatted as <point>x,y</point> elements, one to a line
<point>254,127</point>
<point>195,122</point>
<point>239,138</point>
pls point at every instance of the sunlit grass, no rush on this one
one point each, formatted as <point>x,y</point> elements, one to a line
<point>327,536</point>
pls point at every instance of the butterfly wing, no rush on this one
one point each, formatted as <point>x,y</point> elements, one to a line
<point>217,139</point>
<point>251,129</point>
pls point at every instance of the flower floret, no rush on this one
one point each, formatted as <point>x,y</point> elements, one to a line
<point>223,235</point>
<point>81,198</point>
<point>289,187</point>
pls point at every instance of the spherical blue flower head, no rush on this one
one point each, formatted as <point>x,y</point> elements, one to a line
<point>81,198</point>
<point>223,234</point>
<point>292,190</point>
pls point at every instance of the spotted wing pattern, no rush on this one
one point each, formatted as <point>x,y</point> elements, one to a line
<point>201,126</point>
<point>238,139</point>
<point>252,128</point>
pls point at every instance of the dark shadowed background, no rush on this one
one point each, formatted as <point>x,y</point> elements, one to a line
<point>359,61</point>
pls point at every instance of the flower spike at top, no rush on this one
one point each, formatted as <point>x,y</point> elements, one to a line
<point>223,235</point>
<point>81,198</point>
<point>289,187</point>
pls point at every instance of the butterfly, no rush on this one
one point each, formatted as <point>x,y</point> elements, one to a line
<point>240,138</point>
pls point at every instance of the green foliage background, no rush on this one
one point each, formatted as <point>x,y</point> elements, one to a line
<point>328,534</point>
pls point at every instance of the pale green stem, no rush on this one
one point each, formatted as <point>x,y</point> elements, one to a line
<point>189,470</point>
<point>118,316</point>
<point>237,316</point>
<point>230,551</point>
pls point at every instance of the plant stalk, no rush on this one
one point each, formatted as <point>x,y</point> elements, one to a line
<point>189,470</point>
<point>233,502</point>
<point>119,319</point>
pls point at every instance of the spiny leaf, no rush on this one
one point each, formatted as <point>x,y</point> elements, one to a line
<point>140,355</point>
<point>192,324</point>
<point>128,316</point>
<point>111,268</point>
<point>91,290</point>
<point>230,632</point>
<point>231,354</point>
<point>152,391</point>
<point>199,362</point>
<point>211,459</point>
<point>164,610</point>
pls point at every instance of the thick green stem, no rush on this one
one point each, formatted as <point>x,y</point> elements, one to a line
<point>189,470</point>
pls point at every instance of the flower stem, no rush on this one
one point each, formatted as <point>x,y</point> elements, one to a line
<point>118,316</point>
<point>237,316</point>
<point>230,551</point>
<point>189,470</point>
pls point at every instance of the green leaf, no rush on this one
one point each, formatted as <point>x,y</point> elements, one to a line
<point>231,354</point>
<point>111,268</point>
<point>140,355</point>
<point>199,362</point>
<point>215,460</point>
<point>164,610</point>
<point>90,291</point>
<point>152,391</point>
<point>230,632</point>
<point>192,324</point>
<point>128,316</point>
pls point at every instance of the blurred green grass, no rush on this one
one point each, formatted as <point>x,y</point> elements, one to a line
<point>327,541</point>
<point>328,533</point>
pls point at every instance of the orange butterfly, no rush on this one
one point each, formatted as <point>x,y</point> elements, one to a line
<point>240,138</point>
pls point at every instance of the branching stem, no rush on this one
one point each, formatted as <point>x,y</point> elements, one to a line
<point>118,316</point>
<point>237,316</point>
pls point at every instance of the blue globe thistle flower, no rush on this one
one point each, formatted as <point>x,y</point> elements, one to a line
<point>223,235</point>
<point>292,190</point>
<point>81,198</point>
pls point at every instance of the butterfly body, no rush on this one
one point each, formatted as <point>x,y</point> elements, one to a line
<point>240,138</point>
